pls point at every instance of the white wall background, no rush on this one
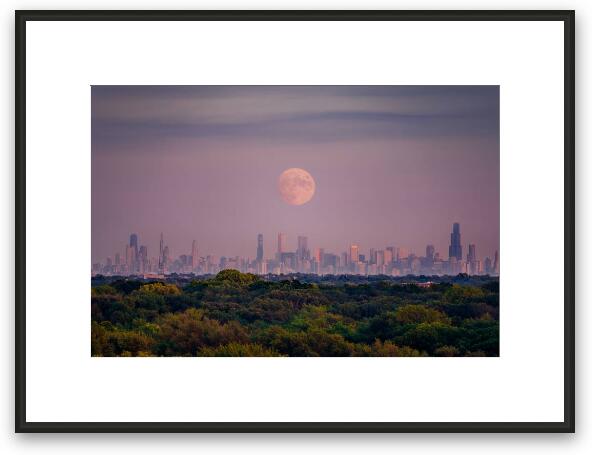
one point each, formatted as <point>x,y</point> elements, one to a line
<point>262,444</point>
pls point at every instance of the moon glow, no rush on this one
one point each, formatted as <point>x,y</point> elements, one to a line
<point>296,186</point>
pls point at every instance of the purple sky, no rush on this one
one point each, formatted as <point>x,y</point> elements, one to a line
<point>393,165</point>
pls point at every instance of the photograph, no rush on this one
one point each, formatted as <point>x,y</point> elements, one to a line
<point>323,212</point>
<point>298,221</point>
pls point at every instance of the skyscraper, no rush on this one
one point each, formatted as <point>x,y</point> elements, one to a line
<point>129,259</point>
<point>165,256</point>
<point>487,265</point>
<point>302,250</point>
<point>455,248</point>
<point>194,256</point>
<point>260,248</point>
<point>143,259</point>
<point>133,243</point>
<point>402,253</point>
<point>496,263</point>
<point>379,258</point>
<point>472,256</point>
<point>472,263</point>
<point>319,260</point>
<point>282,243</point>
<point>391,255</point>
<point>161,254</point>
<point>354,252</point>
<point>430,251</point>
<point>388,255</point>
<point>344,259</point>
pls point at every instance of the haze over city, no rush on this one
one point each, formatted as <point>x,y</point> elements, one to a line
<point>388,166</point>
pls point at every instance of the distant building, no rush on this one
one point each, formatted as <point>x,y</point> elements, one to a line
<point>129,258</point>
<point>302,250</point>
<point>402,253</point>
<point>282,246</point>
<point>455,248</point>
<point>161,254</point>
<point>287,261</point>
<point>330,261</point>
<point>133,243</point>
<point>487,266</point>
<point>153,276</point>
<point>318,255</point>
<point>260,248</point>
<point>454,266</point>
<point>344,260</point>
<point>379,258</point>
<point>194,256</point>
<point>372,256</point>
<point>261,267</point>
<point>165,256</point>
<point>496,263</point>
<point>473,265</point>
<point>390,254</point>
<point>143,259</point>
<point>472,256</point>
<point>354,253</point>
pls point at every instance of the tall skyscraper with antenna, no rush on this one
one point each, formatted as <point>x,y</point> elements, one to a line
<point>133,244</point>
<point>194,256</point>
<point>161,254</point>
<point>260,248</point>
<point>455,248</point>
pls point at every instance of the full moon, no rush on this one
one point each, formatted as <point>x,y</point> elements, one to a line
<point>296,186</point>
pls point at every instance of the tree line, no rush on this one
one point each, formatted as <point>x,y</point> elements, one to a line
<point>237,314</point>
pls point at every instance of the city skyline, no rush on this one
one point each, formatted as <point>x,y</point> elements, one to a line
<point>391,165</point>
<point>270,242</point>
<point>390,259</point>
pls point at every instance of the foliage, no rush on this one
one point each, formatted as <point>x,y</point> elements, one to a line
<point>234,314</point>
<point>239,350</point>
<point>416,314</point>
<point>158,289</point>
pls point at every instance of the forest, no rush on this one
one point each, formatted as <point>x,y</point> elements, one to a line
<point>235,314</point>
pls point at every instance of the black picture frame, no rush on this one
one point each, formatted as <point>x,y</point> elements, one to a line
<point>568,424</point>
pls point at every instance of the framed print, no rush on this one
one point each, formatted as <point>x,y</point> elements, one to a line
<point>296,221</point>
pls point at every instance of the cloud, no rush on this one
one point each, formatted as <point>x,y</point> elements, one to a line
<point>299,113</point>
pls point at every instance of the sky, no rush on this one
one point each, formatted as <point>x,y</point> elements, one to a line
<point>392,166</point>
